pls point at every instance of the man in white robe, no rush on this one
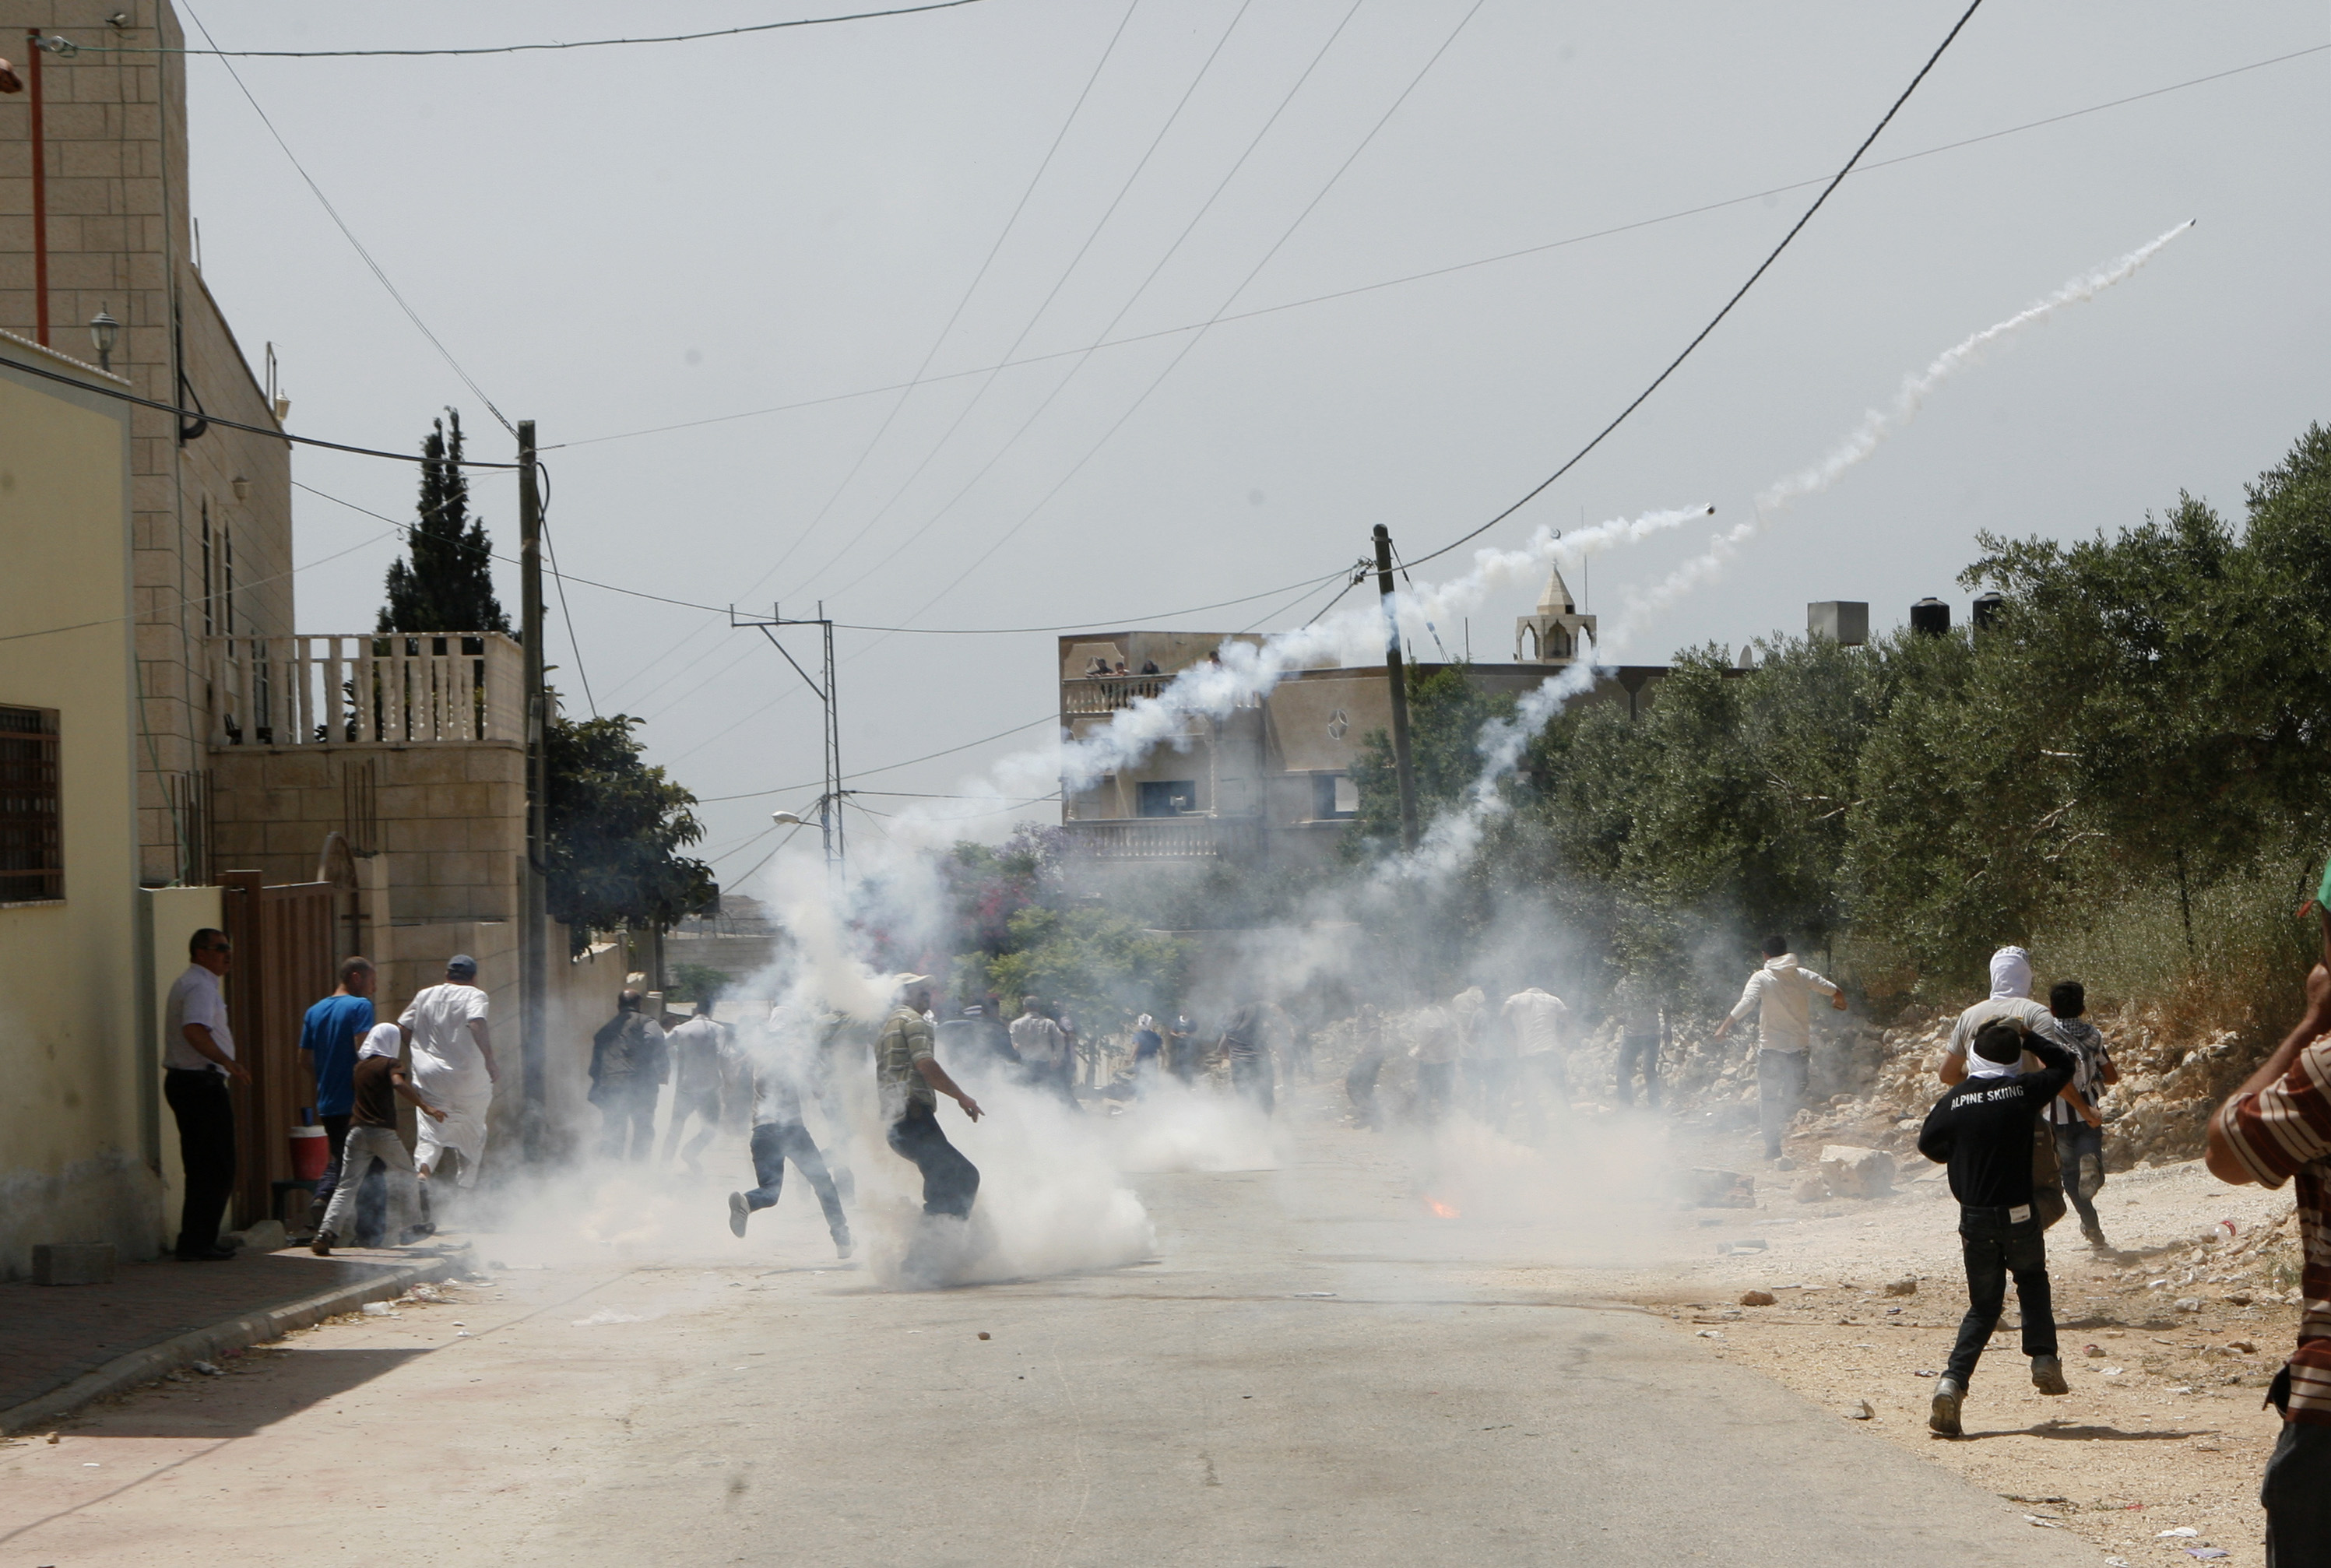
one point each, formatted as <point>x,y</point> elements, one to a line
<point>452,1067</point>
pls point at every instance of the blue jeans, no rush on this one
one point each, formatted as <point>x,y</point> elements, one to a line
<point>1779,1085</point>
<point>775,1142</point>
<point>1996,1247</point>
<point>2080,1150</point>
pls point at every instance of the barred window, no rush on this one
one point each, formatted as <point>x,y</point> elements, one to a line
<point>31,860</point>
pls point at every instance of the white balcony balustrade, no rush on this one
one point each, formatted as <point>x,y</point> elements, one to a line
<point>382,688</point>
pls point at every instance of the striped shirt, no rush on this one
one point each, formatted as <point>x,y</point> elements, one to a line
<point>2088,1082</point>
<point>2281,1131</point>
<point>906,1040</point>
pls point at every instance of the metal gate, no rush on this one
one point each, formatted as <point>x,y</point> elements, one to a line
<point>284,962</point>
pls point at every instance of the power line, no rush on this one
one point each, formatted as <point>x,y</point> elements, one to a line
<point>1053,717</point>
<point>186,599</point>
<point>907,389</point>
<point>1430,273</point>
<point>1795,229</point>
<point>1184,353</point>
<point>1102,624</point>
<point>347,233</point>
<point>964,414</point>
<point>69,48</point>
<point>542,522</point>
<point>279,433</point>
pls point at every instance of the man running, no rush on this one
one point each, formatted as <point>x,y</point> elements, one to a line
<point>910,1079</point>
<point>778,1057</point>
<point>452,1069</point>
<point>1781,993</point>
<point>697,1049</point>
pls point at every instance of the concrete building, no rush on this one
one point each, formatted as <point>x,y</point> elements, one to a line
<point>209,507</point>
<point>78,1146</point>
<point>1273,779</point>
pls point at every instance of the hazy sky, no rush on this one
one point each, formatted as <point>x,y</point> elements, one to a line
<point>618,239</point>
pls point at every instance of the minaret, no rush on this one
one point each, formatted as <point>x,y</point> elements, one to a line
<point>1552,636</point>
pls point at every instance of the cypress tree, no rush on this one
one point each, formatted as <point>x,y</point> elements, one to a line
<point>449,584</point>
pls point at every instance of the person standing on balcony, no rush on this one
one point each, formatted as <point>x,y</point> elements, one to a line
<point>329,1036</point>
<point>453,1070</point>
<point>198,1059</point>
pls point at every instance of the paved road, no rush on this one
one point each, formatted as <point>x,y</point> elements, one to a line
<point>1200,1409</point>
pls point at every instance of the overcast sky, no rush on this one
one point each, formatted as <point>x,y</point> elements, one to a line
<point>613,240</point>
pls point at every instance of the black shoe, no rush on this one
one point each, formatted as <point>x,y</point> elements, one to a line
<point>417,1233</point>
<point>738,1212</point>
<point>322,1245</point>
<point>2048,1375</point>
<point>216,1255</point>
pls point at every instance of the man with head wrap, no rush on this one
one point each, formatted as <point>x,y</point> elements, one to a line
<point>1983,1129</point>
<point>379,1084</point>
<point>2010,1000</point>
<point>453,1069</point>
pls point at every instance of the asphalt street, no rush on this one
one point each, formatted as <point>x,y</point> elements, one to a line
<point>1309,1369</point>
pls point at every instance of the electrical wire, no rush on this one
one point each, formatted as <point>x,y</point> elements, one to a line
<point>907,388</point>
<point>1528,250</point>
<point>772,855</point>
<point>71,48</point>
<point>980,393</point>
<point>1701,335</point>
<point>187,599</point>
<point>1053,717</point>
<point>345,233</point>
<point>542,523</point>
<point>1100,625</point>
<point>276,434</point>
<point>1199,336</point>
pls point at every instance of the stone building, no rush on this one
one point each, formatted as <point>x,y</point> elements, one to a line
<point>211,507</point>
<point>1274,778</point>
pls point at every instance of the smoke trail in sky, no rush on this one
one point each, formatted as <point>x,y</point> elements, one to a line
<point>1454,835</point>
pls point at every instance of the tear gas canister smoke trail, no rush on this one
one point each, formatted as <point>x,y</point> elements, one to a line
<point>1451,837</point>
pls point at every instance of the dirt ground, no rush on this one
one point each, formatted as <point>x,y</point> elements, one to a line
<point>2168,1340</point>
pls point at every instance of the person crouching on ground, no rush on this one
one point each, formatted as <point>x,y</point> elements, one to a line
<point>1983,1129</point>
<point>910,1079</point>
<point>379,1084</point>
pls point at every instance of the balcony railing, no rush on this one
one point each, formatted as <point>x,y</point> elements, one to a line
<point>1166,837</point>
<point>1108,693</point>
<point>396,688</point>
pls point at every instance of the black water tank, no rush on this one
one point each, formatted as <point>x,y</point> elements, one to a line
<point>1931,616</point>
<point>1987,610</point>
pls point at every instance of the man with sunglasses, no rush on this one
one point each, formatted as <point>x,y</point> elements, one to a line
<point>198,1059</point>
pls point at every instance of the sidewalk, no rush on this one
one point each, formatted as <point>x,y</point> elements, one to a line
<point>62,1347</point>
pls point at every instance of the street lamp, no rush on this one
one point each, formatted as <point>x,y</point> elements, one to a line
<point>104,331</point>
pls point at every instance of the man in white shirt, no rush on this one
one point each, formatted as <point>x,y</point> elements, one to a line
<point>1782,992</point>
<point>1536,1018</point>
<point>198,1059</point>
<point>453,1070</point>
<point>778,1057</point>
<point>698,1049</point>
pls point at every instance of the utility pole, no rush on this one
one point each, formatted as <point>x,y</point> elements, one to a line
<point>34,49</point>
<point>1397,673</point>
<point>534,958</point>
<point>829,801</point>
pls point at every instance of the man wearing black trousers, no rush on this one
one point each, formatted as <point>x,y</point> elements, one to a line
<point>1983,1129</point>
<point>198,1059</point>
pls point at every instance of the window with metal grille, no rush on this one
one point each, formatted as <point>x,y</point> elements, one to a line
<point>32,859</point>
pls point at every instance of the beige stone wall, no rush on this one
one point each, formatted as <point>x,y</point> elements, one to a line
<point>452,820</point>
<point>120,238</point>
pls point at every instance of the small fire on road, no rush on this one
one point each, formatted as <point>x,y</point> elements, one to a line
<point>1440,1209</point>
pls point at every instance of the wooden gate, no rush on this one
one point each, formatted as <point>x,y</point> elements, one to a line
<point>284,962</point>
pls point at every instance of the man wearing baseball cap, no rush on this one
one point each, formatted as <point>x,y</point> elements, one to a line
<point>452,1069</point>
<point>910,1079</point>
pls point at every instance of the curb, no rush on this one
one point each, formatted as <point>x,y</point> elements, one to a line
<point>268,1323</point>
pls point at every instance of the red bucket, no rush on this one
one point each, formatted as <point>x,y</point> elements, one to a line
<point>310,1153</point>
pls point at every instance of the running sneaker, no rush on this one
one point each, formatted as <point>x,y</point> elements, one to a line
<point>738,1212</point>
<point>2048,1375</point>
<point>1943,1418</point>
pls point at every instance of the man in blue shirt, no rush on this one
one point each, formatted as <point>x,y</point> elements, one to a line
<point>328,1038</point>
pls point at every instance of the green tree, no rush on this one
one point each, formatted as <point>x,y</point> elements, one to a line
<point>449,584</point>
<point>1099,964</point>
<point>616,827</point>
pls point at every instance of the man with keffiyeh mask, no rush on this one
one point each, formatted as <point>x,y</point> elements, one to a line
<point>1983,1129</point>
